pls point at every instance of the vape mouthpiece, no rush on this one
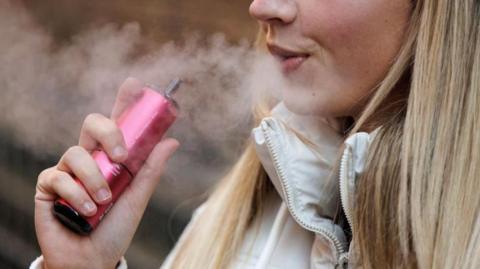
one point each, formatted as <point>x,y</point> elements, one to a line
<point>172,87</point>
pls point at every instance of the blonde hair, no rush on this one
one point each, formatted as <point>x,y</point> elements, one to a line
<point>236,200</point>
<point>419,208</point>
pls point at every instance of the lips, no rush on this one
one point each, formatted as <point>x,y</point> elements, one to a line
<point>289,60</point>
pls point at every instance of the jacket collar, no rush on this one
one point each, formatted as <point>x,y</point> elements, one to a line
<point>301,171</point>
<point>352,165</point>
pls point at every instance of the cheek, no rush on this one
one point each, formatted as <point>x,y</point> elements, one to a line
<point>358,39</point>
<point>352,31</point>
<point>353,23</point>
<point>329,22</point>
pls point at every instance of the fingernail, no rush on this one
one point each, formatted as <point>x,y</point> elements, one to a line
<point>119,152</point>
<point>102,195</point>
<point>88,207</point>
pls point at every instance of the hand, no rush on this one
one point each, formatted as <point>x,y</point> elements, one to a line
<point>103,248</point>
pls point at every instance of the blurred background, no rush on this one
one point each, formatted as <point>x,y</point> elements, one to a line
<point>171,206</point>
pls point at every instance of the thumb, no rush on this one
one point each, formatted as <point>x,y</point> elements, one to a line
<point>143,186</point>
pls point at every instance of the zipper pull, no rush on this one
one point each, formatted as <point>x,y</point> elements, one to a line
<point>342,261</point>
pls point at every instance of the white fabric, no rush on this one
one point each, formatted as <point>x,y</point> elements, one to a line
<point>268,243</point>
<point>358,145</point>
<point>352,166</point>
<point>273,237</point>
<point>306,188</point>
<point>307,168</point>
<point>38,263</point>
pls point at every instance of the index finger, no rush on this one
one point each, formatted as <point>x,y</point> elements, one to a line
<point>130,90</point>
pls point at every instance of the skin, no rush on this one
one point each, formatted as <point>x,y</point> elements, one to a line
<point>350,46</point>
<point>104,247</point>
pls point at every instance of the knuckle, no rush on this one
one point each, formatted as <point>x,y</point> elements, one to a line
<point>130,85</point>
<point>58,178</point>
<point>74,150</point>
<point>106,130</point>
<point>131,80</point>
<point>111,128</point>
<point>112,136</point>
<point>44,174</point>
<point>91,119</point>
<point>92,122</point>
<point>72,153</point>
<point>43,179</point>
<point>52,183</point>
<point>103,128</point>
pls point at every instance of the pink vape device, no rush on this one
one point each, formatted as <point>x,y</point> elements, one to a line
<point>143,125</point>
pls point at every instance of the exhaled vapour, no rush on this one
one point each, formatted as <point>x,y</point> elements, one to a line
<point>47,89</point>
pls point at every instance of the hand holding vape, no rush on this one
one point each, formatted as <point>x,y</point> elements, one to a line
<point>143,125</point>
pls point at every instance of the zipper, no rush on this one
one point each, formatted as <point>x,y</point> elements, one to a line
<point>344,185</point>
<point>348,172</point>
<point>280,172</point>
<point>342,261</point>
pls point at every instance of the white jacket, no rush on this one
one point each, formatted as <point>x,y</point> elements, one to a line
<point>296,228</point>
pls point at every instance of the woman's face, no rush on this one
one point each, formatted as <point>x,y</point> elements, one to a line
<point>332,52</point>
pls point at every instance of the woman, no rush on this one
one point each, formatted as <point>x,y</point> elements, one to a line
<point>408,74</point>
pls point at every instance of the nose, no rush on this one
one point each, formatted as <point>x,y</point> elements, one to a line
<point>271,11</point>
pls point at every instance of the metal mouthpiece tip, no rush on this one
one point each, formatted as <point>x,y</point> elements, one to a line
<point>173,86</point>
